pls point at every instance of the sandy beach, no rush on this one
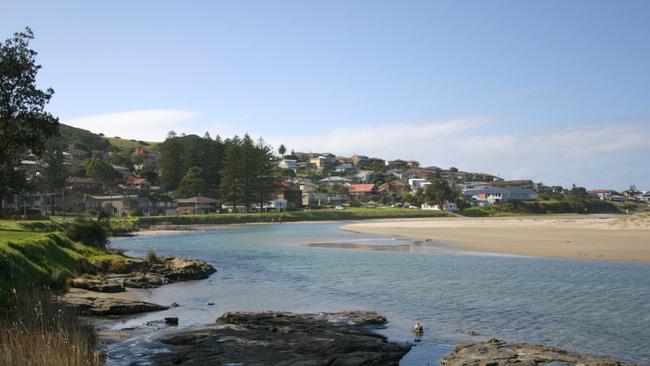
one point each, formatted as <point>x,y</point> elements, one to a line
<point>600,237</point>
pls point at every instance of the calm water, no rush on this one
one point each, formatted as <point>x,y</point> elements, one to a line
<point>586,306</point>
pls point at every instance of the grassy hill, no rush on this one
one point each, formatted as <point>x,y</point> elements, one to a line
<point>79,138</point>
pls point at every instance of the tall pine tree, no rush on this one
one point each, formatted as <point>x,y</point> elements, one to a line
<point>231,174</point>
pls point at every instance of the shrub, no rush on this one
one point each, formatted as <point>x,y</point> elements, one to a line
<point>89,232</point>
<point>152,256</point>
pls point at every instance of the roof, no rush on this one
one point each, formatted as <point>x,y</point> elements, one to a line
<point>132,179</point>
<point>85,180</point>
<point>197,199</point>
<point>361,188</point>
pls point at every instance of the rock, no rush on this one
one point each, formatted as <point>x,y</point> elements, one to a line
<point>106,305</point>
<point>287,338</point>
<point>171,320</point>
<point>98,285</point>
<point>210,303</point>
<point>495,352</point>
<point>473,333</point>
<point>145,273</point>
<point>174,305</point>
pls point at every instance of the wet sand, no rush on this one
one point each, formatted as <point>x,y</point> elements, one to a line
<point>599,237</point>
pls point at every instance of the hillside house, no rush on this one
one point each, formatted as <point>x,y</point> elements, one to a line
<point>362,190</point>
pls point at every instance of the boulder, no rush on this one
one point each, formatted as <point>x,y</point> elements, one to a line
<point>286,338</point>
<point>98,285</point>
<point>496,352</point>
<point>107,305</point>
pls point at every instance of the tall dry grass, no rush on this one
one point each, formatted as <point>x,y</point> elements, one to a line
<point>37,331</point>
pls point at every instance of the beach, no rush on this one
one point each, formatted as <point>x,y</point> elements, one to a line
<point>596,237</point>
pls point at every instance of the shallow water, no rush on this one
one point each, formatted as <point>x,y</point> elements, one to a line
<point>586,306</point>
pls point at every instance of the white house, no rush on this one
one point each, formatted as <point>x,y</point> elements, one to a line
<point>418,183</point>
<point>500,194</point>
<point>288,164</point>
<point>341,168</point>
<point>447,206</point>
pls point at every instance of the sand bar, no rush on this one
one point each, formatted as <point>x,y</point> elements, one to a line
<point>600,237</point>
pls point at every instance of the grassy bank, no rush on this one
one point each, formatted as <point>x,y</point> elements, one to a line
<point>134,223</point>
<point>38,253</point>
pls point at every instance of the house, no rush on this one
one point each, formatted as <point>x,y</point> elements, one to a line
<point>334,180</point>
<point>359,190</point>
<point>418,183</point>
<point>360,160</point>
<point>288,164</point>
<point>78,155</point>
<point>342,168</point>
<point>133,183</point>
<point>395,187</point>
<point>289,193</point>
<point>413,163</point>
<point>318,162</point>
<point>603,194</point>
<point>447,206</point>
<point>96,203</point>
<point>83,185</point>
<point>314,199</point>
<point>306,185</point>
<point>197,205</point>
<point>364,176</point>
<point>499,194</point>
<point>140,152</point>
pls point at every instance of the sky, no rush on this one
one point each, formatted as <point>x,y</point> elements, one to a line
<point>554,91</point>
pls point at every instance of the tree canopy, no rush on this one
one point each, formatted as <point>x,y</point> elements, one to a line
<point>25,126</point>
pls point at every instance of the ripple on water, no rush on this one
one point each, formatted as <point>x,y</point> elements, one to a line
<point>586,306</point>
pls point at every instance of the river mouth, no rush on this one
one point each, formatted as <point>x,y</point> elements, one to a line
<point>584,306</point>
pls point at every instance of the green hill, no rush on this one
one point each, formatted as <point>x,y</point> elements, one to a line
<point>78,138</point>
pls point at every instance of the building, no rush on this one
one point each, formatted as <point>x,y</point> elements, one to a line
<point>115,204</point>
<point>342,168</point>
<point>360,160</point>
<point>287,193</point>
<point>364,176</point>
<point>395,187</point>
<point>418,183</point>
<point>447,206</point>
<point>197,205</point>
<point>499,194</point>
<point>360,190</point>
<point>315,199</point>
<point>83,185</point>
<point>334,180</point>
<point>603,194</point>
<point>135,184</point>
<point>318,162</point>
<point>288,164</point>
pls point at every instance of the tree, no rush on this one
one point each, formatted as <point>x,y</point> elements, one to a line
<point>54,172</point>
<point>453,169</point>
<point>102,172</point>
<point>231,176</point>
<point>264,169</point>
<point>439,192</point>
<point>25,126</point>
<point>192,184</point>
<point>248,171</point>
<point>282,150</point>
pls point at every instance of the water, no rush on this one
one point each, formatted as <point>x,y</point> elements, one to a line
<point>594,307</point>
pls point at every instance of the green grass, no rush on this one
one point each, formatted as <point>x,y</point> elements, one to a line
<point>30,255</point>
<point>130,224</point>
<point>129,145</point>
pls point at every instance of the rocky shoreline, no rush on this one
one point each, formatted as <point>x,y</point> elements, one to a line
<point>104,284</point>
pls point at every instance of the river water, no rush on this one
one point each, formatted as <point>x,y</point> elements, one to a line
<point>595,307</point>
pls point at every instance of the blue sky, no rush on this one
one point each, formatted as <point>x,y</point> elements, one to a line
<point>556,91</point>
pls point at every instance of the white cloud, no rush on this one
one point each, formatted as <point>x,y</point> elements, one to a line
<point>557,156</point>
<point>148,125</point>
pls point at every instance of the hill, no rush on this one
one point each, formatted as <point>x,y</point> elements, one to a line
<point>78,138</point>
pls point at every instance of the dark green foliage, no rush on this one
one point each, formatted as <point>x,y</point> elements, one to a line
<point>102,172</point>
<point>192,184</point>
<point>567,205</point>
<point>440,191</point>
<point>180,153</point>
<point>25,126</point>
<point>89,232</point>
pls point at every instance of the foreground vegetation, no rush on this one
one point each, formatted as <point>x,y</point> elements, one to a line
<point>39,332</point>
<point>41,254</point>
<point>577,206</point>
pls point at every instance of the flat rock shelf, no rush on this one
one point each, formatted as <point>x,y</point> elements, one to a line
<point>279,338</point>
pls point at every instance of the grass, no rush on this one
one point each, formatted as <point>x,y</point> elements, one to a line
<point>130,145</point>
<point>41,258</point>
<point>40,332</point>
<point>133,223</point>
